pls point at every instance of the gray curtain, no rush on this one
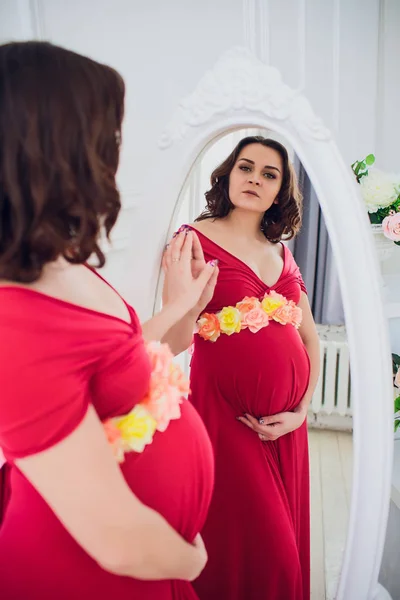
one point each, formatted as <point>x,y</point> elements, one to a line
<point>313,254</point>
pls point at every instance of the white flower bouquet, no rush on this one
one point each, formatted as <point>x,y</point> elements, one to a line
<point>381,194</point>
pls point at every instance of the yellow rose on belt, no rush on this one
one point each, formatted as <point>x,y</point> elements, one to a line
<point>272,301</point>
<point>229,320</point>
<point>137,429</point>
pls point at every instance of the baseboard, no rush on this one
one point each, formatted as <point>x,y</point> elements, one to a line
<point>335,422</point>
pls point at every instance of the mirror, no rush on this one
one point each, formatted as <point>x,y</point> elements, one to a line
<point>242,93</point>
<point>330,412</point>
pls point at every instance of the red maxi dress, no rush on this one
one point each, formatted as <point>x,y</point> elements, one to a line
<point>257,530</point>
<point>56,359</point>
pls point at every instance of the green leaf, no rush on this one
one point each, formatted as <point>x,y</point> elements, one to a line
<point>396,205</point>
<point>395,363</point>
<point>370,159</point>
<point>396,425</point>
<point>397,243</point>
<point>375,218</point>
<point>397,404</point>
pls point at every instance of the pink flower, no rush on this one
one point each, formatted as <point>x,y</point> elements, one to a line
<point>160,358</point>
<point>255,319</point>
<point>247,304</point>
<point>391,227</point>
<point>297,314</point>
<point>178,379</point>
<point>283,314</point>
<point>163,403</point>
<point>168,384</point>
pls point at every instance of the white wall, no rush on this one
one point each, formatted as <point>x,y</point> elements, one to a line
<point>344,54</point>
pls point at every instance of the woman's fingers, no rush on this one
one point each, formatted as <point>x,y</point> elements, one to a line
<point>268,430</point>
<point>186,254</point>
<point>197,250</point>
<point>212,282</point>
<point>205,276</point>
<point>256,425</point>
<point>176,246</point>
<point>172,252</point>
<point>265,436</point>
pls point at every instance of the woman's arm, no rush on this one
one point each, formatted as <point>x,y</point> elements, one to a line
<point>184,293</point>
<point>83,485</point>
<point>309,335</point>
<point>179,336</point>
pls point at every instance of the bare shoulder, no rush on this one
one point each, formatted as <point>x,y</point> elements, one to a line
<point>205,226</point>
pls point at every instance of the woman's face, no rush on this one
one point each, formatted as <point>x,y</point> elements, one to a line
<point>256,178</point>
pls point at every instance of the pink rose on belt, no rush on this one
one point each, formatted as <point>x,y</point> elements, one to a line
<point>391,227</point>
<point>283,314</point>
<point>248,304</point>
<point>255,319</point>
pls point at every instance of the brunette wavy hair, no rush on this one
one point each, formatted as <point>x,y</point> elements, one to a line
<point>60,132</point>
<point>280,220</point>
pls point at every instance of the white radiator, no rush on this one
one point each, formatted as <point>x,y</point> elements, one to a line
<point>331,404</point>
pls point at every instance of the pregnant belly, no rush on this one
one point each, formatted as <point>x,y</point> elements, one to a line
<point>175,473</point>
<point>260,373</point>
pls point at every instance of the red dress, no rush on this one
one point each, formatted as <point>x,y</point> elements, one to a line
<point>257,530</point>
<point>55,360</point>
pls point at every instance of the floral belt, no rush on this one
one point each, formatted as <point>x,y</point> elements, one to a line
<point>168,385</point>
<point>251,313</point>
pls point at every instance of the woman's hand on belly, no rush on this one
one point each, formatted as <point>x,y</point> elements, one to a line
<point>273,427</point>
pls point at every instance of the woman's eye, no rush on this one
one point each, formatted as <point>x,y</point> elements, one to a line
<point>269,176</point>
<point>244,168</point>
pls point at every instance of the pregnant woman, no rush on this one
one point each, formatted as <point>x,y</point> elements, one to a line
<point>253,372</point>
<point>109,471</point>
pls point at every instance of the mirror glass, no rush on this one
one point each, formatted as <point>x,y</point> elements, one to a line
<point>330,413</point>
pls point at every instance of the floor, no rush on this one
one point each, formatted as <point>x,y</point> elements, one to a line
<point>331,459</point>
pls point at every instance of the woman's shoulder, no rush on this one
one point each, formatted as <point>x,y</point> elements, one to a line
<point>205,226</point>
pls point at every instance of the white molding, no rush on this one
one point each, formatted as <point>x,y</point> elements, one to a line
<point>241,92</point>
<point>37,19</point>
<point>256,28</point>
<point>240,80</point>
<point>265,27</point>
<point>249,25</point>
<point>336,66</point>
<point>380,70</point>
<point>302,32</point>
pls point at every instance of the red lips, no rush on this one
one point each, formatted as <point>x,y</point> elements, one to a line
<point>252,192</point>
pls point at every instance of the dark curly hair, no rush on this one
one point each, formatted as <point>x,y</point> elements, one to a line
<point>280,220</point>
<point>60,132</point>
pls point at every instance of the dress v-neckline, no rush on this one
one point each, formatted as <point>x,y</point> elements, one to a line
<point>242,261</point>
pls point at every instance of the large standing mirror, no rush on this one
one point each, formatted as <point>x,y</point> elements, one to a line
<point>330,413</point>
<point>350,463</point>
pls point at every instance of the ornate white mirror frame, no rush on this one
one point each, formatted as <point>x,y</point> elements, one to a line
<point>242,92</point>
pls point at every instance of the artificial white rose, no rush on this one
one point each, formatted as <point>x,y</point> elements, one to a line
<point>378,190</point>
